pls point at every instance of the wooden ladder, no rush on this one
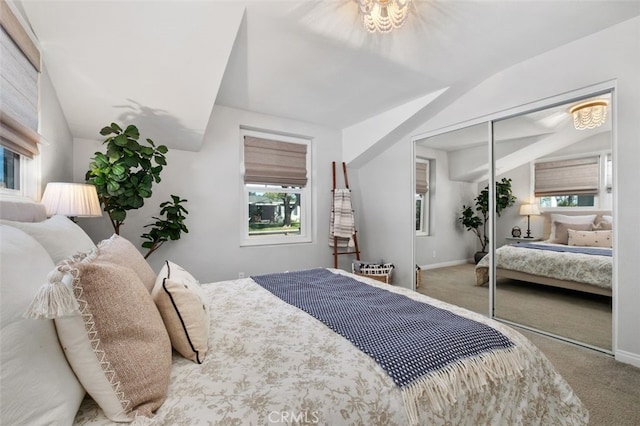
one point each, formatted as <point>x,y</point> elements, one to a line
<point>337,252</point>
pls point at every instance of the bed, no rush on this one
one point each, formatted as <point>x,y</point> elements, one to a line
<point>270,354</point>
<point>576,254</point>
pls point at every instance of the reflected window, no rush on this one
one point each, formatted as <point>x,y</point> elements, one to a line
<point>568,183</point>
<point>422,195</point>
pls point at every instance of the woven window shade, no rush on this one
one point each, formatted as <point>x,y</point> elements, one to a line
<point>568,177</point>
<point>19,71</point>
<point>271,162</point>
<point>422,184</point>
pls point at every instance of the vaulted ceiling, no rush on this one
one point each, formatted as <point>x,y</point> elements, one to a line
<point>164,64</point>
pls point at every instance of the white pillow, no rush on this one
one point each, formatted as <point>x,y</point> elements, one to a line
<point>38,386</point>
<point>59,235</point>
<point>590,218</point>
<point>607,218</point>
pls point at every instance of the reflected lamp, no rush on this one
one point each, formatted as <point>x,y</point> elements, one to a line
<point>528,210</point>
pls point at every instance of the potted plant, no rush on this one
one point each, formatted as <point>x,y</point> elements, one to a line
<point>124,176</point>
<point>475,220</point>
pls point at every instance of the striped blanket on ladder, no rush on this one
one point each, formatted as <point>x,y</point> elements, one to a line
<point>342,225</point>
<point>429,352</point>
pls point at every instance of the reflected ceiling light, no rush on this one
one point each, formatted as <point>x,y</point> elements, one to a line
<point>590,114</point>
<point>383,15</point>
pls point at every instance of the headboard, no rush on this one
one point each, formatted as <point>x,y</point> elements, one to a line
<point>546,229</point>
<point>21,209</point>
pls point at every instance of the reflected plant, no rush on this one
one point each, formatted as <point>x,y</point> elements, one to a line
<point>475,220</point>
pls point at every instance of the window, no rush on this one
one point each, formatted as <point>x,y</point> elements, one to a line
<point>9,169</point>
<point>276,187</point>
<point>422,196</point>
<point>19,73</point>
<point>568,183</point>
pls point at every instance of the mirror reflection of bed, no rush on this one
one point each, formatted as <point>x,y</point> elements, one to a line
<point>562,288</point>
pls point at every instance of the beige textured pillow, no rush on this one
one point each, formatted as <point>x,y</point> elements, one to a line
<point>562,231</point>
<point>555,217</point>
<point>117,346</point>
<point>184,310</point>
<point>590,238</point>
<point>120,251</point>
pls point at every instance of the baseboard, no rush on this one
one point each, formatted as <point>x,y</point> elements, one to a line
<point>627,358</point>
<point>445,264</point>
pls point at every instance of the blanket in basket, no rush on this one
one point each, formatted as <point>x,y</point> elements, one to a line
<point>424,349</point>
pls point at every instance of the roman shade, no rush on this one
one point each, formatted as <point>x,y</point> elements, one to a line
<point>19,71</point>
<point>272,162</point>
<point>422,184</point>
<point>568,177</point>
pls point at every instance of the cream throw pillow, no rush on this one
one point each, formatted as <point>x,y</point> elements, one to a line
<point>117,346</point>
<point>590,238</point>
<point>184,310</point>
<point>120,251</point>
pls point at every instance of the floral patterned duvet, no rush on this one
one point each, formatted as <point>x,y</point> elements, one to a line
<point>270,363</point>
<point>578,267</point>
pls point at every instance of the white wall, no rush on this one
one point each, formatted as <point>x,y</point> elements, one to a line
<point>612,54</point>
<point>210,181</point>
<point>56,150</point>
<point>383,203</point>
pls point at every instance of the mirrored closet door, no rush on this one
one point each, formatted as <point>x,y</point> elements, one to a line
<point>457,169</point>
<point>554,251</point>
<point>552,234</point>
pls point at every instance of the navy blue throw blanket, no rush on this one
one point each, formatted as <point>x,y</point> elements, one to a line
<point>408,339</point>
<point>597,251</point>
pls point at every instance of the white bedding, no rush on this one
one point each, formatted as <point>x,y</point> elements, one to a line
<point>271,363</point>
<point>582,268</point>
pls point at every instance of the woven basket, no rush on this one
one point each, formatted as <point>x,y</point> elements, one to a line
<point>380,273</point>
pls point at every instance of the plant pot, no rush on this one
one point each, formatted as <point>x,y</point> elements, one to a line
<point>479,255</point>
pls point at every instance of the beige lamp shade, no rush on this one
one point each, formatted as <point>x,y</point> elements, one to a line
<point>71,199</point>
<point>529,209</point>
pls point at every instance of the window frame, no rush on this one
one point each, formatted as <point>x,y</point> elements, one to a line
<point>305,207</point>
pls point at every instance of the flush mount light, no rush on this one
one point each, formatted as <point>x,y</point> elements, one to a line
<point>590,114</point>
<point>383,15</point>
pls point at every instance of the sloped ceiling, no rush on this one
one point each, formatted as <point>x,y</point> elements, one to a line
<point>163,64</point>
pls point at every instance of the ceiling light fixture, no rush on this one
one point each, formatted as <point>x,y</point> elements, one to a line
<point>383,15</point>
<point>590,114</point>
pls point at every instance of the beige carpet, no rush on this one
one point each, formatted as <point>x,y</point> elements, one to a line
<point>609,389</point>
<point>578,316</point>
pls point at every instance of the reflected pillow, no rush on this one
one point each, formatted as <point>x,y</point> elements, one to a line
<point>555,217</point>
<point>590,238</point>
<point>562,231</point>
<point>603,226</point>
